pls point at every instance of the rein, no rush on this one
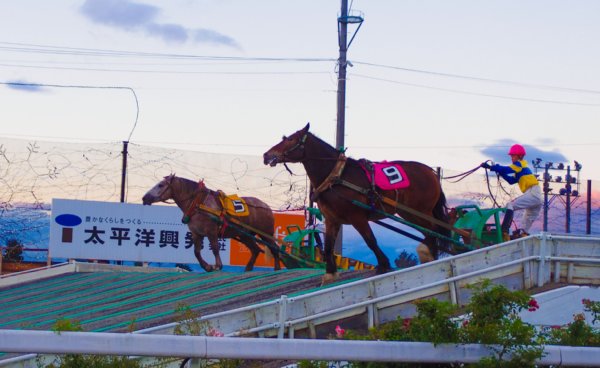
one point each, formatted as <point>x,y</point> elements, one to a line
<point>463,175</point>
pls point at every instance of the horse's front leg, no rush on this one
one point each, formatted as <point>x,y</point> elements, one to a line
<point>331,232</point>
<point>198,240</point>
<point>383,263</point>
<point>213,240</point>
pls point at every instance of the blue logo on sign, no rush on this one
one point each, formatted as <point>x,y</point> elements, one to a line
<point>68,220</point>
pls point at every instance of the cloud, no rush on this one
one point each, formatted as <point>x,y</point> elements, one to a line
<point>121,14</point>
<point>498,152</point>
<point>209,36</point>
<point>24,86</point>
<point>133,16</point>
<point>168,32</point>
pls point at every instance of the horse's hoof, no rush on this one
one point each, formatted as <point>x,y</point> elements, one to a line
<point>424,254</point>
<point>382,270</point>
<point>328,278</point>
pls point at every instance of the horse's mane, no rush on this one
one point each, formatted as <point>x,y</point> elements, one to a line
<point>186,183</point>
<point>320,140</point>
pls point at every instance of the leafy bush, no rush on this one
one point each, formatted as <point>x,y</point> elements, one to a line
<point>14,251</point>
<point>87,361</point>
<point>578,332</point>
<point>491,318</point>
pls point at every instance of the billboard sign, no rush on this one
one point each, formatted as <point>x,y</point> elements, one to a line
<point>123,231</point>
<point>95,230</point>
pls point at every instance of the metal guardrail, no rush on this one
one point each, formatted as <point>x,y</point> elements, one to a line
<point>204,347</point>
<point>524,263</point>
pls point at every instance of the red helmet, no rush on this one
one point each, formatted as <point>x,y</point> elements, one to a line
<point>517,149</point>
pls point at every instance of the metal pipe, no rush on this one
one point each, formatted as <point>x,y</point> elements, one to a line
<point>573,260</point>
<point>48,342</point>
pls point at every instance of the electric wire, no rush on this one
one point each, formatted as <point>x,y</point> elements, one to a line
<point>137,104</point>
<point>475,93</point>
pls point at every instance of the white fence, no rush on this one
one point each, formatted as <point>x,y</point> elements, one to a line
<point>520,264</point>
<point>272,349</point>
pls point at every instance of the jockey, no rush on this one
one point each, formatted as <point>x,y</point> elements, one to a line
<point>531,200</point>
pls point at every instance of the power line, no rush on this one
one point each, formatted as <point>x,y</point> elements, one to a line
<point>45,49</point>
<point>542,86</point>
<point>159,71</point>
<point>137,104</point>
<point>476,93</point>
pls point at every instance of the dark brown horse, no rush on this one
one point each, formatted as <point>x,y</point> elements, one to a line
<point>337,181</point>
<point>204,211</point>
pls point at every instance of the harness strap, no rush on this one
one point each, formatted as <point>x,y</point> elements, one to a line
<point>220,217</point>
<point>195,202</point>
<point>391,202</point>
<point>332,178</point>
<point>400,206</point>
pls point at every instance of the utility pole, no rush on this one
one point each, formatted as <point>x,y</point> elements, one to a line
<point>341,93</point>
<point>343,20</point>
<point>124,171</point>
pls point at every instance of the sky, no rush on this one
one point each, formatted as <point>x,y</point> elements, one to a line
<point>447,83</point>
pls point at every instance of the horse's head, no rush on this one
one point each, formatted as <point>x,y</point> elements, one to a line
<point>160,192</point>
<point>290,149</point>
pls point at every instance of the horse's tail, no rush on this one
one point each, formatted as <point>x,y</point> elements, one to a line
<point>440,212</point>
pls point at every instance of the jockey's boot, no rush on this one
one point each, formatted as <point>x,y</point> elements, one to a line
<point>507,220</point>
<point>519,233</point>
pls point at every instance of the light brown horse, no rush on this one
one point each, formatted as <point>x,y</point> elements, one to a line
<point>338,180</point>
<point>190,195</point>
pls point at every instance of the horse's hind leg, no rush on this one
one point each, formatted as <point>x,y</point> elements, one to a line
<point>250,242</point>
<point>198,240</point>
<point>331,232</point>
<point>383,263</point>
<point>274,248</point>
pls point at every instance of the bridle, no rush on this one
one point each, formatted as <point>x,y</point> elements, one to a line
<point>167,187</point>
<point>299,144</point>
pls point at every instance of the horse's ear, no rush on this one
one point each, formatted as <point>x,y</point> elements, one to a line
<point>305,129</point>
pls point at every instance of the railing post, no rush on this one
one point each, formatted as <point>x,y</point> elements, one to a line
<point>282,316</point>
<point>452,285</point>
<point>372,315</point>
<point>542,263</point>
